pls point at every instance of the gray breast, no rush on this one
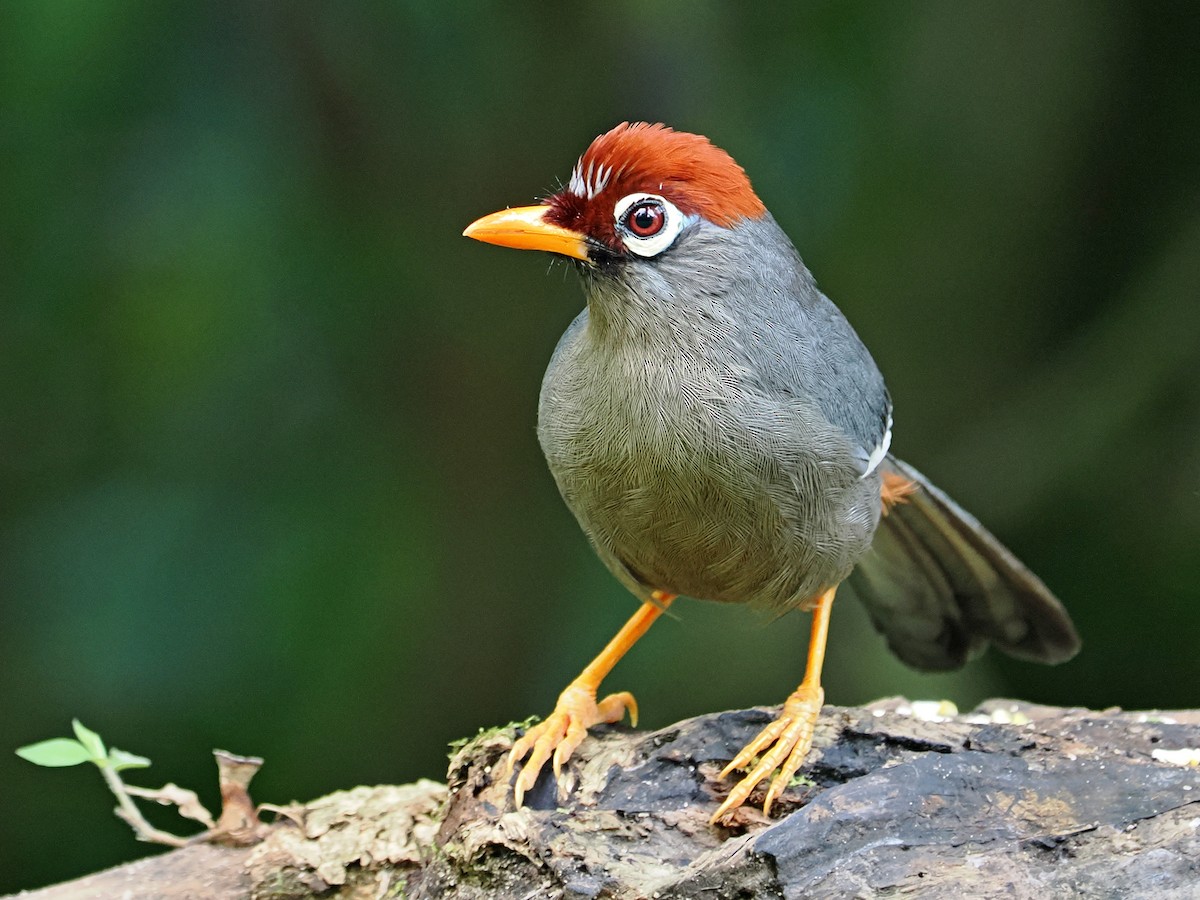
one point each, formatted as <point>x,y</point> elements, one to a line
<point>689,471</point>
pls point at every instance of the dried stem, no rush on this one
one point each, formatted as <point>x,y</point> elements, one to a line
<point>128,811</point>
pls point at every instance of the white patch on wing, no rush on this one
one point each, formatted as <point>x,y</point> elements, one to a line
<point>881,449</point>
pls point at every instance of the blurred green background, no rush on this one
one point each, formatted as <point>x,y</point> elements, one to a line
<point>268,472</point>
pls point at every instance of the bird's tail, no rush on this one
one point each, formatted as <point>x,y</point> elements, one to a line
<point>939,587</point>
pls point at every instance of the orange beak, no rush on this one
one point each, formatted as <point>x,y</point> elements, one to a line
<point>525,228</point>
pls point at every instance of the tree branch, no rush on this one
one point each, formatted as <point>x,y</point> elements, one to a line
<point>1011,800</point>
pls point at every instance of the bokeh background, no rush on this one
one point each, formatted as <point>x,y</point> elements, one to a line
<point>268,472</point>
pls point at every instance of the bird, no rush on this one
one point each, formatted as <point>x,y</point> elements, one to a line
<point>720,432</point>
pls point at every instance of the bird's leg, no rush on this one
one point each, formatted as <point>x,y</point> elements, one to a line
<point>790,736</point>
<point>577,710</point>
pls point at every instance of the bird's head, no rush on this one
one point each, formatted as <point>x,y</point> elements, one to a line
<point>631,196</point>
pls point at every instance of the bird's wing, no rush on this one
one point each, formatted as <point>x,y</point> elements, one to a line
<point>821,360</point>
<point>939,586</point>
<point>848,385</point>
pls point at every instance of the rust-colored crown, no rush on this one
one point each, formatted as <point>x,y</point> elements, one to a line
<point>685,168</point>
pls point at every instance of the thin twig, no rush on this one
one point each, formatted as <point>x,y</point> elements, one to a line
<point>128,811</point>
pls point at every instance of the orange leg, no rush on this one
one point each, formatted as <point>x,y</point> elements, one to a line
<point>789,736</point>
<point>577,710</point>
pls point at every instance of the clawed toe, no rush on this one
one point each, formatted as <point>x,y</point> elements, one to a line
<point>786,743</point>
<point>556,738</point>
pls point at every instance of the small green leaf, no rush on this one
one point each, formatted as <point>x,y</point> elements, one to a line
<point>90,740</point>
<point>56,752</point>
<point>122,759</point>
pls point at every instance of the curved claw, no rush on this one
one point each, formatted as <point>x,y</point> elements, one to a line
<point>789,738</point>
<point>558,736</point>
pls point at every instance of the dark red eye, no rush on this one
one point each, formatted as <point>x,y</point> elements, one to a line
<point>646,219</point>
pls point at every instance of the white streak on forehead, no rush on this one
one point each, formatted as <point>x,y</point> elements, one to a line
<point>590,182</point>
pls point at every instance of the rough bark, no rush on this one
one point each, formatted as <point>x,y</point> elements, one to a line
<point>1010,801</point>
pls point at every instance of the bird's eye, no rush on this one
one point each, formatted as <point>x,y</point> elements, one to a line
<point>647,223</point>
<point>646,219</point>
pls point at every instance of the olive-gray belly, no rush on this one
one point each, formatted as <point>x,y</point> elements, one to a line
<point>712,528</point>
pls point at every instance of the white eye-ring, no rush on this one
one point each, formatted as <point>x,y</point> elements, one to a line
<point>647,223</point>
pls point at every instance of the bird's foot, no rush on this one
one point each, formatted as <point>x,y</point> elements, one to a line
<point>789,738</point>
<point>564,730</point>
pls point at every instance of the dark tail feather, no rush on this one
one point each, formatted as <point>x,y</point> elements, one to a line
<point>940,587</point>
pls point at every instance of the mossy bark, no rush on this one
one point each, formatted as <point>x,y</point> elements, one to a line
<point>1009,801</point>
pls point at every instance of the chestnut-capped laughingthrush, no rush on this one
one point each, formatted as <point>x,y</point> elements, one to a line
<point>720,432</point>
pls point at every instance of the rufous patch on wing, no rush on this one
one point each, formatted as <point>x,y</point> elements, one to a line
<point>895,489</point>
